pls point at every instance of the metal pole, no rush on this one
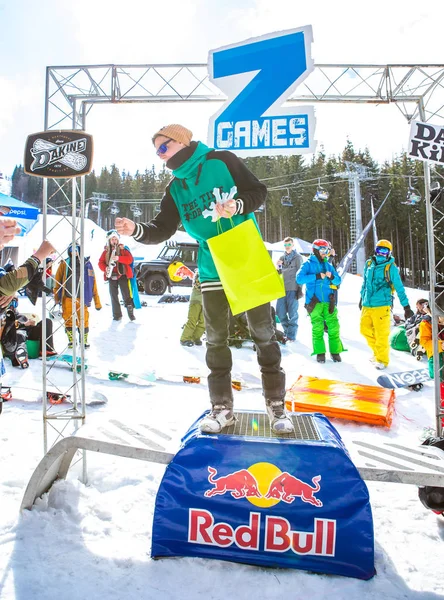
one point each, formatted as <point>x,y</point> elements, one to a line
<point>360,255</point>
<point>432,277</point>
<point>44,399</point>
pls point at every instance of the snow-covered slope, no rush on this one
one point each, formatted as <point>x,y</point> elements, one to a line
<point>93,541</point>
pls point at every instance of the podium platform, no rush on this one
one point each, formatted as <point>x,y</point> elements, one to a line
<point>249,496</point>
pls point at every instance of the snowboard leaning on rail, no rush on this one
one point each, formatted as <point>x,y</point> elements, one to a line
<point>413,380</point>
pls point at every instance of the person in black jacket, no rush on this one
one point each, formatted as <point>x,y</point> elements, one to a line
<point>193,198</point>
<point>287,307</point>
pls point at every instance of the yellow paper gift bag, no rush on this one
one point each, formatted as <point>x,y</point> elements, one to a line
<point>245,268</point>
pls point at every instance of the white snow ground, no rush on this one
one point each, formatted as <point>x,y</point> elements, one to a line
<point>93,541</point>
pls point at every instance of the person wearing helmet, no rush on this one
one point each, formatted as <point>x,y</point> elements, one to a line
<point>63,289</point>
<point>381,278</point>
<point>320,279</point>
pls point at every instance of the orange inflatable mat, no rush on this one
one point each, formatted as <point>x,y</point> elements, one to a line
<point>352,401</point>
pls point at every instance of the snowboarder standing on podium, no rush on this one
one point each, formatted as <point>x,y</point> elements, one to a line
<point>197,170</point>
<point>321,279</point>
<point>381,278</point>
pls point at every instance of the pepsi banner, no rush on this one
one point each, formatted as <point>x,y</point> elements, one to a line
<point>266,501</point>
<point>58,154</point>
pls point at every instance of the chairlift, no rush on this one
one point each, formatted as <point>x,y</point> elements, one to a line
<point>321,195</point>
<point>114,209</point>
<point>413,196</point>
<point>286,200</point>
<point>95,206</point>
<point>137,212</point>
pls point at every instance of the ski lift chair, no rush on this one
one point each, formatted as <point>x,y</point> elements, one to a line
<point>413,196</point>
<point>114,209</point>
<point>137,212</point>
<point>321,195</point>
<point>286,200</point>
<point>95,206</point>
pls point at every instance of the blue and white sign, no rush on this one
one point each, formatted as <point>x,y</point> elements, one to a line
<point>258,75</point>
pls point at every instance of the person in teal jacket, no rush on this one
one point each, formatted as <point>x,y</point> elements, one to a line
<point>190,199</point>
<point>380,279</point>
<point>321,280</point>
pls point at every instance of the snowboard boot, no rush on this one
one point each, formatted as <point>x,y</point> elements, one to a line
<point>336,358</point>
<point>188,343</point>
<point>320,358</point>
<point>85,341</point>
<point>130,310</point>
<point>198,342</point>
<point>280,422</point>
<point>220,417</point>
<point>70,338</point>
<point>21,358</point>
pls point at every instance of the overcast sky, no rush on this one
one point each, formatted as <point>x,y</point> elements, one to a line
<point>34,35</point>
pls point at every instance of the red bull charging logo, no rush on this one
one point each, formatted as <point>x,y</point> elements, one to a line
<point>263,485</point>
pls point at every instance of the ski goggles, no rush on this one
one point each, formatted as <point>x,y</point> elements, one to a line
<point>288,245</point>
<point>163,148</point>
<point>382,251</point>
<point>322,249</point>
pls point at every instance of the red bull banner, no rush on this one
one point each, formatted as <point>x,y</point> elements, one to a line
<point>266,501</point>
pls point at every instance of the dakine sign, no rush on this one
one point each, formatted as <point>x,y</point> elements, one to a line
<point>258,76</point>
<point>58,154</point>
<point>426,142</point>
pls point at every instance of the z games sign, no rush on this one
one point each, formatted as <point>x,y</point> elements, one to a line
<point>58,154</point>
<point>258,75</point>
<point>426,142</point>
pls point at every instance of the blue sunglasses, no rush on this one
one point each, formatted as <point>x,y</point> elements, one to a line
<point>163,148</point>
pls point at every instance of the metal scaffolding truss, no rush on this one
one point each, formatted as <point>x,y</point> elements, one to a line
<point>72,90</point>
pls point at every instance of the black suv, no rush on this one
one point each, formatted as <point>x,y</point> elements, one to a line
<point>153,277</point>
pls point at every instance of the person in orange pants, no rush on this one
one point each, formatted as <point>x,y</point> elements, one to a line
<point>62,294</point>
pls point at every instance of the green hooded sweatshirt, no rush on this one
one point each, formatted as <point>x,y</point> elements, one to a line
<point>192,192</point>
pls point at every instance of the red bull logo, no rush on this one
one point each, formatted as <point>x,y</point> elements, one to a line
<point>240,484</point>
<point>184,272</point>
<point>287,488</point>
<point>264,485</point>
<point>178,271</point>
<point>278,537</point>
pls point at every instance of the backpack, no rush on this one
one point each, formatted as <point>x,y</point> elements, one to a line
<point>433,497</point>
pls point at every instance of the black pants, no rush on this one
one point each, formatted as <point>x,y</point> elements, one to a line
<point>114,286</point>
<point>219,359</point>
<point>35,333</point>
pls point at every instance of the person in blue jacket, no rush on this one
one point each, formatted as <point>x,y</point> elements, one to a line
<point>381,278</point>
<point>321,279</point>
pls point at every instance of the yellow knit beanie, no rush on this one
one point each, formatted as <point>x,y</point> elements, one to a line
<point>179,133</point>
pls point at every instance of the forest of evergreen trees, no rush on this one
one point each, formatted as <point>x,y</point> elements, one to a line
<point>290,209</point>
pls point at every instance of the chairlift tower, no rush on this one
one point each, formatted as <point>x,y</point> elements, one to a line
<point>356,173</point>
